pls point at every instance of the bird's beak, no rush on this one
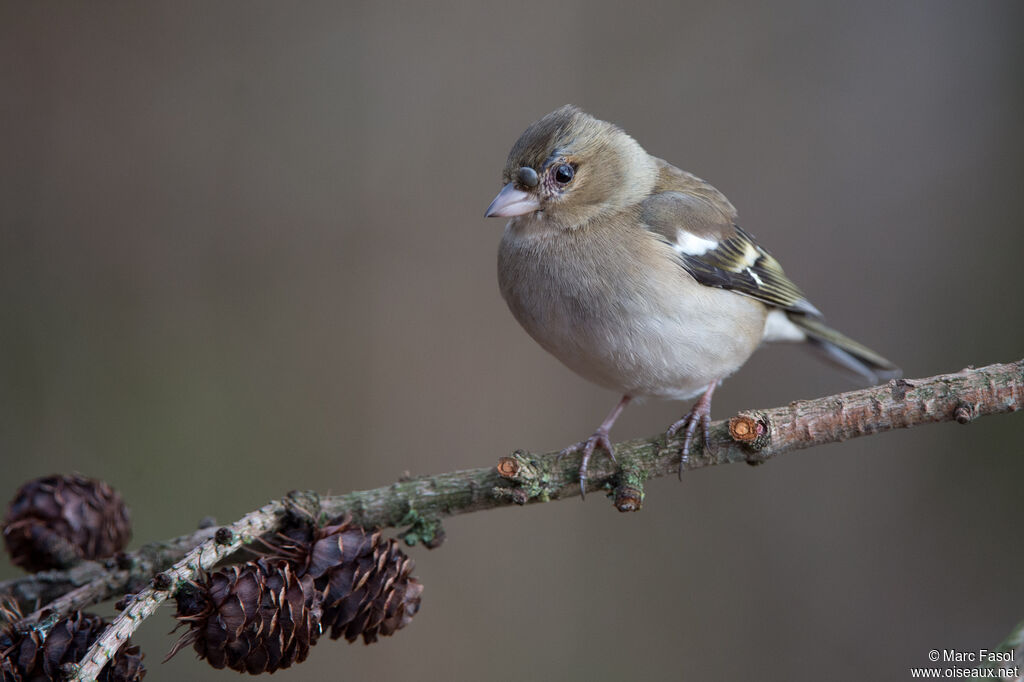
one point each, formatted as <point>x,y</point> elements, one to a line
<point>512,202</point>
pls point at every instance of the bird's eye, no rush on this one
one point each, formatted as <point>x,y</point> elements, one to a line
<point>564,173</point>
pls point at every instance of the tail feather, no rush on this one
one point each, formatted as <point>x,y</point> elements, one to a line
<point>845,352</point>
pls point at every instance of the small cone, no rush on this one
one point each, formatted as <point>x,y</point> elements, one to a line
<point>55,521</point>
<point>365,580</point>
<point>27,657</point>
<point>255,617</point>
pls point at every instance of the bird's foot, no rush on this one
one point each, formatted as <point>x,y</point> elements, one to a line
<point>699,415</point>
<point>599,439</point>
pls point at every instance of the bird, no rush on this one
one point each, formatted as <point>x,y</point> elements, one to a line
<point>636,275</point>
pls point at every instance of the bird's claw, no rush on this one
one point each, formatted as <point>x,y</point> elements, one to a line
<point>587,447</point>
<point>690,421</point>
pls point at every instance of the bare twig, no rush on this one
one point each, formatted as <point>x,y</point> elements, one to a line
<point>419,503</point>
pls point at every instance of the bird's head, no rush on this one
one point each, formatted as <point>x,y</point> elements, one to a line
<point>571,167</point>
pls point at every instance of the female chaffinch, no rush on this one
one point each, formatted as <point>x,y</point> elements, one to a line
<point>634,274</point>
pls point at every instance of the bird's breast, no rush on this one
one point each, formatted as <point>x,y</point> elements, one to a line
<point>622,314</point>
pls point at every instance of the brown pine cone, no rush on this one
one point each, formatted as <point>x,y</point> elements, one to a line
<point>255,617</point>
<point>55,521</point>
<point>26,656</point>
<point>365,579</point>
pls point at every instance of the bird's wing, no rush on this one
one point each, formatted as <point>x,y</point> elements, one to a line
<point>697,222</point>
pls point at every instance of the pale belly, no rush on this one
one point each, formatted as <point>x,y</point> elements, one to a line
<point>636,336</point>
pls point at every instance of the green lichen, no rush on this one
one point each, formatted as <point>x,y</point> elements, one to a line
<point>533,481</point>
<point>423,529</point>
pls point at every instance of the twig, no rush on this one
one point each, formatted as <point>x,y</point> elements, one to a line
<point>225,542</point>
<point>756,436</point>
<point>91,582</point>
<point>751,437</point>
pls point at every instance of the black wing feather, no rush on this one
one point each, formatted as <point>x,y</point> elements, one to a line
<point>735,262</point>
<point>741,265</point>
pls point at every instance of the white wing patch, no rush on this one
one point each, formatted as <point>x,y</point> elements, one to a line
<point>691,245</point>
<point>777,327</point>
<point>750,255</point>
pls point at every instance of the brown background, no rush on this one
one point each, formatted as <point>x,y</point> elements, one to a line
<point>242,251</point>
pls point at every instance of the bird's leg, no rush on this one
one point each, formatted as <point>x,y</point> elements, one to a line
<point>599,439</point>
<point>700,413</point>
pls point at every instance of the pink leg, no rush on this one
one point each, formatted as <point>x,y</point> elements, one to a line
<point>699,414</point>
<point>599,439</point>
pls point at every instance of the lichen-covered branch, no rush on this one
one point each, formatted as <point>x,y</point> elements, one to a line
<point>756,436</point>
<point>418,504</point>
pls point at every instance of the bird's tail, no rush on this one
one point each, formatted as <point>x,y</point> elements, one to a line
<point>843,351</point>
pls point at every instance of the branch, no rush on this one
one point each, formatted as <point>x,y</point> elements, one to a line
<point>751,437</point>
<point>91,582</point>
<point>419,503</point>
<point>226,541</point>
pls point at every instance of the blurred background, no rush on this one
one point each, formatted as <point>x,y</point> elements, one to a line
<point>242,251</point>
